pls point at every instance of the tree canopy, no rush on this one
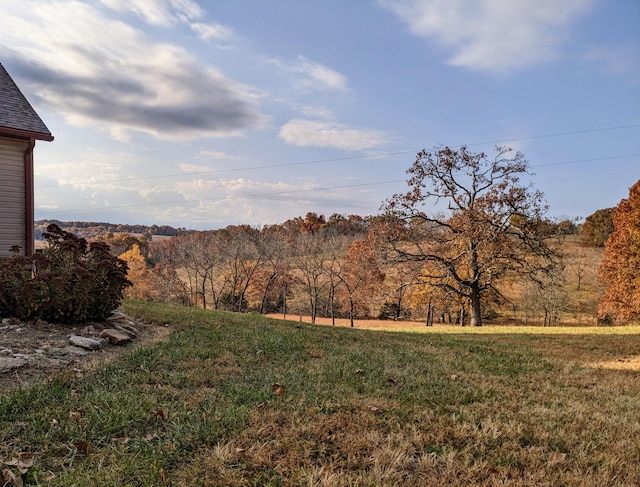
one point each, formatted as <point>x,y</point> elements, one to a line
<point>597,227</point>
<point>485,222</point>
<point>621,265</point>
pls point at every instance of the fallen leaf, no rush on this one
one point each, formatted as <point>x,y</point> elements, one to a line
<point>150,437</point>
<point>9,476</point>
<point>391,380</point>
<point>358,371</point>
<point>23,464</point>
<point>453,377</point>
<point>75,415</point>
<point>83,447</point>
<point>262,405</point>
<point>240,450</point>
<point>278,389</point>
<point>375,409</point>
<point>160,413</point>
<point>557,457</point>
<point>121,439</point>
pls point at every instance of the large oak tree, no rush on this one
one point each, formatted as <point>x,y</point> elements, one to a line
<point>484,222</point>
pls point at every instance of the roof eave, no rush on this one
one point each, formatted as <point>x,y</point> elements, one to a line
<point>27,134</point>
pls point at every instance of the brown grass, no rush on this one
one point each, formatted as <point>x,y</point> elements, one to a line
<point>571,426</point>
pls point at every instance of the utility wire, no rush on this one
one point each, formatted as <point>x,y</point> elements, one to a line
<point>308,190</point>
<point>222,198</point>
<point>339,159</point>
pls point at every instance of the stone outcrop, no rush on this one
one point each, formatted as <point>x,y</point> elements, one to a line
<point>85,342</point>
<point>43,345</point>
<point>115,337</point>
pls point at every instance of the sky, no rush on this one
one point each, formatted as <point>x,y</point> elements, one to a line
<point>203,114</point>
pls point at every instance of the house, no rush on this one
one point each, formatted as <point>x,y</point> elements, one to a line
<point>20,127</point>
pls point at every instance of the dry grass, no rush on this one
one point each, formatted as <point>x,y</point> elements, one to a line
<point>572,423</point>
<point>239,400</point>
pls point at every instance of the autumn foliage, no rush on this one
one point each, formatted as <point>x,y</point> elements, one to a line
<point>487,225</point>
<point>620,269</point>
<point>73,281</point>
<point>468,241</point>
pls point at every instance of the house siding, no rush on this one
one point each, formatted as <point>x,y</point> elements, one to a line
<point>12,195</point>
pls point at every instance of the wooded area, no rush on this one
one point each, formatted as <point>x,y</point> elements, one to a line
<point>468,242</point>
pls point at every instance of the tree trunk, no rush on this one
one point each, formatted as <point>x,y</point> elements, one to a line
<point>476,314</point>
<point>351,310</point>
<point>284,304</point>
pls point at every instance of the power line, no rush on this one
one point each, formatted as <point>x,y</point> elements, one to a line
<point>239,169</point>
<point>558,134</point>
<point>309,190</point>
<point>580,161</point>
<point>339,159</point>
<point>250,195</point>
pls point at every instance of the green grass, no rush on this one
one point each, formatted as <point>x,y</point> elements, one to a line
<point>354,407</point>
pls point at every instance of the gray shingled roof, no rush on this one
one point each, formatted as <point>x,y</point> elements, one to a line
<point>16,113</point>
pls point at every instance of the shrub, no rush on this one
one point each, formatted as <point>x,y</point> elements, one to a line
<point>73,281</point>
<point>389,311</point>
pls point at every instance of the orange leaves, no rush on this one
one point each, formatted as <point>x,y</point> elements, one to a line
<point>619,269</point>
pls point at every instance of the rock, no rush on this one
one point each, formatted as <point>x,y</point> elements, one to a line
<point>125,329</point>
<point>41,323</point>
<point>6,351</point>
<point>80,352</point>
<point>6,321</point>
<point>10,363</point>
<point>130,325</point>
<point>89,331</point>
<point>115,337</point>
<point>85,342</point>
<point>116,315</point>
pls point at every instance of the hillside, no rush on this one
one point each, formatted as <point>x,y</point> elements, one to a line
<point>234,399</point>
<point>90,230</point>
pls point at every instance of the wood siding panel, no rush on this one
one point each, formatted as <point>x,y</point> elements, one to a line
<point>12,195</point>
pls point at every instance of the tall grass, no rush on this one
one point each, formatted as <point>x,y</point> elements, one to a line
<point>233,399</point>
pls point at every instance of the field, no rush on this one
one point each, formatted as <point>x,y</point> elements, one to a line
<point>231,400</point>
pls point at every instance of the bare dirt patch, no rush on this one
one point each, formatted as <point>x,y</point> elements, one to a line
<point>32,351</point>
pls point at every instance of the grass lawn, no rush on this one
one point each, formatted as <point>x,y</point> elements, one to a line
<point>243,400</point>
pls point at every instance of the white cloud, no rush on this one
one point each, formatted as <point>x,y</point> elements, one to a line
<point>211,154</point>
<point>98,70</point>
<point>330,134</point>
<point>492,35</point>
<point>212,31</point>
<point>194,168</point>
<point>158,12</point>
<point>616,59</point>
<point>310,75</point>
<point>319,75</point>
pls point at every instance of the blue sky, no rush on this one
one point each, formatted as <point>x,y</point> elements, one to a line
<point>211,113</point>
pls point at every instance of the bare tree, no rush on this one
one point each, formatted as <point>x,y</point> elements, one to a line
<point>308,258</point>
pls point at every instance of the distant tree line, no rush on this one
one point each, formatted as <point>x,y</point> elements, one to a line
<point>92,229</point>
<point>468,241</point>
<point>490,253</point>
